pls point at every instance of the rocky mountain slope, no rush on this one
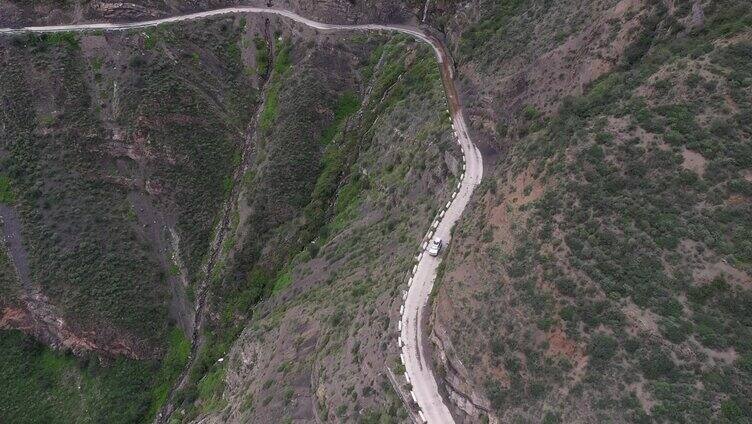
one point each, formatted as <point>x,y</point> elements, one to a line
<point>604,272</point>
<point>318,348</point>
<point>278,180</point>
<point>242,159</point>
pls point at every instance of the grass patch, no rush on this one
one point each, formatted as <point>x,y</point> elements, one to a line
<point>178,349</point>
<point>347,104</point>
<point>262,56</point>
<point>41,385</point>
<point>210,389</point>
<point>55,39</point>
<point>282,62</point>
<point>282,282</point>
<point>271,107</point>
<point>6,193</point>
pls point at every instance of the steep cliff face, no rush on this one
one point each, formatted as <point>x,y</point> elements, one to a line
<point>603,272</point>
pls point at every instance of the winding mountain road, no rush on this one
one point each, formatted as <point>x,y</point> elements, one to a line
<point>425,391</point>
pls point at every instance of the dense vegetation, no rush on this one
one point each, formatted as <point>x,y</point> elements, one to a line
<point>41,385</point>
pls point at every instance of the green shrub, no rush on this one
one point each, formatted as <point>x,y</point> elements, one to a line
<point>6,192</point>
<point>601,349</point>
<point>530,112</point>
<point>657,364</point>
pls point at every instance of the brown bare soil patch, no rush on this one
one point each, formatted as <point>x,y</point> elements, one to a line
<point>560,344</point>
<point>736,200</point>
<point>643,396</point>
<point>728,356</point>
<point>694,162</point>
<point>526,188</point>
<point>733,276</point>
<point>499,219</point>
<point>642,320</point>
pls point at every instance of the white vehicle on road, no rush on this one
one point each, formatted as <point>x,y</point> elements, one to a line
<point>435,247</point>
